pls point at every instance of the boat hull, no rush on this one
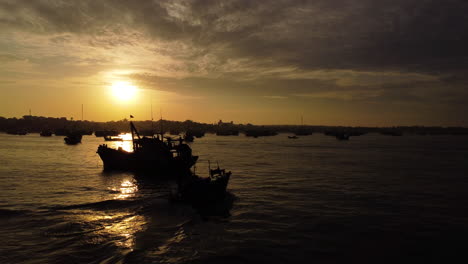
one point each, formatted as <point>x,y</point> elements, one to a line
<point>72,139</point>
<point>118,159</point>
<point>205,190</point>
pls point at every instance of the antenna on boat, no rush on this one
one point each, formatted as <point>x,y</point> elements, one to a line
<point>161,124</point>
<point>81,112</point>
<point>152,127</point>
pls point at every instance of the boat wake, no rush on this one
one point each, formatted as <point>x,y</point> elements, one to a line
<point>107,205</point>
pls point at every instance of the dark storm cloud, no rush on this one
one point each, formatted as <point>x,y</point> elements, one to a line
<point>268,48</point>
<point>233,86</point>
<point>405,35</point>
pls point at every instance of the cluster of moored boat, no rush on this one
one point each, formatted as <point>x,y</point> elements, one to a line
<point>164,158</point>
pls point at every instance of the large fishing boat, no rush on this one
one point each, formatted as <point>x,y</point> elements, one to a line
<point>155,154</point>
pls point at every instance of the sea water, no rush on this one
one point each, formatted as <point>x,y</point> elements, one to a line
<point>314,199</point>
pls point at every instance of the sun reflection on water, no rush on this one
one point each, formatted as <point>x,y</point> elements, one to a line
<point>125,230</point>
<point>126,143</point>
<point>127,189</point>
<point>97,227</point>
<point>126,137</point>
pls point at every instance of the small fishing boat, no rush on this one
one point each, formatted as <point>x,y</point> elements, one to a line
<point>17,132</point>
<point>204,190</point>
<point>73,139</point>
<point>227,132</point>
<point>46,133</point>
<point>342,136</point>
<point>392,132</point>
<point>339,135</point>
<point>104,133</point>
<point>260,133</point>
<point>293,137</point>
<point>188,137</point>
<point>111,138</point>
<point>198,133</point>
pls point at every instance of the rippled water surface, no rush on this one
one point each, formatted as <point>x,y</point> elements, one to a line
<point>372,199</point>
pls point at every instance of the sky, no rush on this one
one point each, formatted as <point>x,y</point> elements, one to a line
<point>333,62</point>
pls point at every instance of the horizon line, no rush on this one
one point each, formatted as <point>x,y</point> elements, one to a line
<point>128,119</point>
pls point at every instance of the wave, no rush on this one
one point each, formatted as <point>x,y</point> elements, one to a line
<point>7,213</point>
<point>103,205</point>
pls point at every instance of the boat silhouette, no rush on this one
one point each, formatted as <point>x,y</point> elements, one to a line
<point>153,154</point>
<point>46,133</point>
<point>203,190</point>
<point>20,132</point>
<point>73,138</point>
<point>111,138</point>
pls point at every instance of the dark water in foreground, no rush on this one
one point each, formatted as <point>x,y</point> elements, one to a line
<point>373,199</point>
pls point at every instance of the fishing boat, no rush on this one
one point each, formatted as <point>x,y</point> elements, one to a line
<point>293,137</point>
<point>153,154</point>
<point>106,133</point>
<point>46,133</point>
<point>17,132</point>
<point>198,133</point>
<point>227,132</point>
<point>73,138</point>
<point>260,133</point>
<point>188,137</point>
<point>204,190</point>
<point>111,138</point>
<point>338,134</point>
<point>342,136</point>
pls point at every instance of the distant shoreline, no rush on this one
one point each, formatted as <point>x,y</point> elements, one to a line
<point>36,124</point>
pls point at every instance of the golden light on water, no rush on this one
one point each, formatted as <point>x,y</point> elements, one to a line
<point>127,189</point>
<point>127,136</point>
<point>123,228</point>
<point>124,91</point>
<point>126,144</point>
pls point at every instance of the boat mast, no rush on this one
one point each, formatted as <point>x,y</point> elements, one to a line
<point>161,124</point>
<point>152,119</point>
<point>134,132</point>
<point>81,112</point>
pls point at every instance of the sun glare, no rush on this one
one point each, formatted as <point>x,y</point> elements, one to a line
<point>123,91</point>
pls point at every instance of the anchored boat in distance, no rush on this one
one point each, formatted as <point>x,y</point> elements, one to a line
<point>73,138</point>
<point>111,138</point>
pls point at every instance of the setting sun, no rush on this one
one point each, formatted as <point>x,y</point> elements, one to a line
<point>123,91</point>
